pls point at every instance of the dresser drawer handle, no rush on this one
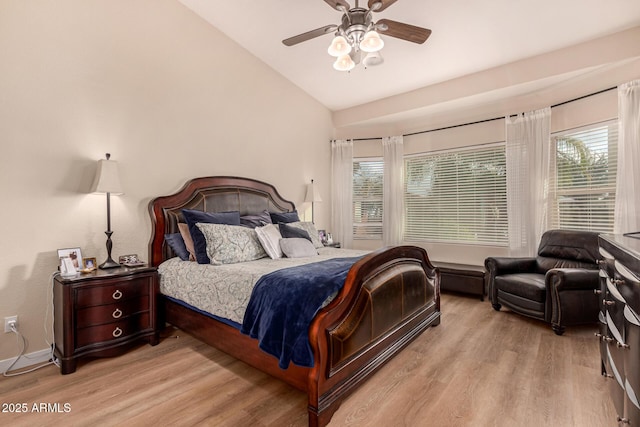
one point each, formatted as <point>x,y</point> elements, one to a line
<point>606,302</point>
<point>117,313</point>
<point>597,291</point>
<point>117,294</point>
<point>623,420</point>
<point>117,332</point>
<point>621,345</point>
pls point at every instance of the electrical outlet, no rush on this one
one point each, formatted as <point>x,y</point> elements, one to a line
<point>8,321</point>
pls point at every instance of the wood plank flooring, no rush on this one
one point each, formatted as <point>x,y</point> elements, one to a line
<point>479,367</point>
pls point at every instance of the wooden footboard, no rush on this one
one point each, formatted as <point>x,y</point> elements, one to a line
<point>389,298</point>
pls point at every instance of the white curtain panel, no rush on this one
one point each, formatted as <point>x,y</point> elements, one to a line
<point>528,150</point>
<point>342,192</point>
<point>393,191</point>
<point>628,176</point>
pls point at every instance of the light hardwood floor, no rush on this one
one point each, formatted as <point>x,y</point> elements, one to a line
<point>479,367</point>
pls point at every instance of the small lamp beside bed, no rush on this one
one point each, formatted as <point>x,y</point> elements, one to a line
<point>107,180</point>
<point>313,195</point>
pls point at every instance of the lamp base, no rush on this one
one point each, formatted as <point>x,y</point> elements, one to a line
<point>109,263</point>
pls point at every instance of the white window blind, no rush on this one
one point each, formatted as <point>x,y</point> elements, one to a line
<point>584,178</point>
<point>457,196</point>
<point>367,198</point>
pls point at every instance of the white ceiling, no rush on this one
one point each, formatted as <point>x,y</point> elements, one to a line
<point>468,36</point>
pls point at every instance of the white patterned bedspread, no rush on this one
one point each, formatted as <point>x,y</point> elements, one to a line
<point>224,290</point>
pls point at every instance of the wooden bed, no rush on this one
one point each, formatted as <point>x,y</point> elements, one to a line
<point>389,297</point>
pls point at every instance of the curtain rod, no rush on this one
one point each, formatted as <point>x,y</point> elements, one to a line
<point>492,119</point>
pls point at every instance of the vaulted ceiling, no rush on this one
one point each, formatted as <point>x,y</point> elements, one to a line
<point>469,36</point>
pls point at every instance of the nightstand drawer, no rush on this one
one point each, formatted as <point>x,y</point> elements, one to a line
<point>109,294</point>
<point>92,316</point>
<point>113,331</point>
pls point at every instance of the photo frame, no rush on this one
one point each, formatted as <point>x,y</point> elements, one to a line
<point>75,254</point>
<point>89,263</point>
<point>322,234</point>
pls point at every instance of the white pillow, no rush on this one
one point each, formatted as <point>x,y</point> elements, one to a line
<point>269,237</point>
<point>297,247</point>
<point>311,229</point>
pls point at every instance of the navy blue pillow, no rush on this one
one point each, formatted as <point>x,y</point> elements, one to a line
<point>192,217</point>
<point>280,217</point>
<point>288,231</point>
<point>176,242</point>
<point>258,220</point>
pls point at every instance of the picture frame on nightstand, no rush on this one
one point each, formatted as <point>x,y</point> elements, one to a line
<point>89,264</point>
<point>75,254</point>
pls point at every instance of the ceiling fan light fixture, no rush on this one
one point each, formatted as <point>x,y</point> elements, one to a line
<point>371,42</point>
<point>372,59</point>
<point>339,47</point>
<point>344,63</point>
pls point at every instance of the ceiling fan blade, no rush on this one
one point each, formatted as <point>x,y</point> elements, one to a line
<point>383,4</point>
<point>340,5</point>
<point>402,31</point>
<point>309,35</point>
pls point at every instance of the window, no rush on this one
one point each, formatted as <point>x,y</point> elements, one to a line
<point>457,196</point>
<point>583,183</point>
<point>367,198</point>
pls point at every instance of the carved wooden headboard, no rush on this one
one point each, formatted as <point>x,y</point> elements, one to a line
<point>209,194</point>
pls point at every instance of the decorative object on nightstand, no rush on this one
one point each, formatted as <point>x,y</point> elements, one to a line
<point>313,196</point>
<point>107,180</point>
<point>100,313</point>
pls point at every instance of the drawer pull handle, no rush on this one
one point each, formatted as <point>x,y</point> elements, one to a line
<point>621,345</point>
<point>605,302</point>
<point>117,294</point>
<point>624,420</point>
<point>117,332</point>
<point>617,282</point>
<point>117,313</point>
<point>597,291</point>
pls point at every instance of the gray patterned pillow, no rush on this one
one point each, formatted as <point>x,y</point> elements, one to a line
<point>311,229</point>
<point>229,244</point>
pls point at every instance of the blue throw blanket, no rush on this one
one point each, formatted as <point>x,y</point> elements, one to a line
<point>284,302</point>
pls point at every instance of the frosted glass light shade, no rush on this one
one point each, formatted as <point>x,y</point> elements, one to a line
<point>344,63</point>
<point>339,47</point>
<point>371,42</point>
<point>372,59</point>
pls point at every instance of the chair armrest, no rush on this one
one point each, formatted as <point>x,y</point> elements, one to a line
<point>497,266</point>
<point>564,279</point>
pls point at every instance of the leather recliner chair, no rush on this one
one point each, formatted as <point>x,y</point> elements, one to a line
<point>557,286</point>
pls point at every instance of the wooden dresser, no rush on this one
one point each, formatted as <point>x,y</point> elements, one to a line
<point>100,313</point>
<point>619,317</point>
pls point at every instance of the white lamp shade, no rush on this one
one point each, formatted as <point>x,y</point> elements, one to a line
<point>339,47</point>
<point>344,63</point>
<point>372,59</point>
<point>371,42</point>
<point>313,195</point>
<point>107,179</point>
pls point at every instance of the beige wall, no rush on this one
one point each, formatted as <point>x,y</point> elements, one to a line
<point>166,94</point>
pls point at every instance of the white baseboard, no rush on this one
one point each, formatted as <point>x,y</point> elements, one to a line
<point>30,359</point>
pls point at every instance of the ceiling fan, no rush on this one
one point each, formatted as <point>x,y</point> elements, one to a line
<point>357,38</point>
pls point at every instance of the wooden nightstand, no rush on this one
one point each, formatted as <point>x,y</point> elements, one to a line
<point>99,313</point>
